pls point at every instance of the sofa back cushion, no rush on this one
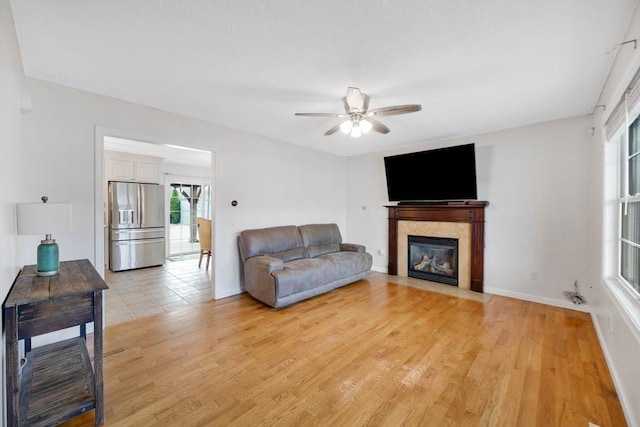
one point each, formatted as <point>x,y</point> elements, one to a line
<point>283,242</point>
<point>320,239</point>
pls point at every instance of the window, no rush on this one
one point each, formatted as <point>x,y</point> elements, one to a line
<point>630,207</point>
<point>622,195</point>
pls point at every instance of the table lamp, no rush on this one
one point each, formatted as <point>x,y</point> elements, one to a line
<point>45,218</point>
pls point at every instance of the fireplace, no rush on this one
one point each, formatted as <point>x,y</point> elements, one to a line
<point>460,220</point>
<point>433,258</point>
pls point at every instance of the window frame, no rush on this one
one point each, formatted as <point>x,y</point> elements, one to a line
<point>621,164</point>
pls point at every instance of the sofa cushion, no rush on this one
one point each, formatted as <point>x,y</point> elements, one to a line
<point>318,250</point>
<point>320,238</point>
<point>349,263</point>
<point>282,242</point>
<point>303,275</point>
<point>290,254</point>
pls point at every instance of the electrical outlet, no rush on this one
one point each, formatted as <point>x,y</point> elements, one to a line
<point>534,276</point>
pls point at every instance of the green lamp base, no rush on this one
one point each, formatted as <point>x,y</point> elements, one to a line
<point>48,259</point>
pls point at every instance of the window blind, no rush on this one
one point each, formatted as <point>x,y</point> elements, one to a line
<point>617,117</point>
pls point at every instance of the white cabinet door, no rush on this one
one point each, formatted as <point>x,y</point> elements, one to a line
<point>120,170</point>
<point>148,172</point>
<point>129,170</point>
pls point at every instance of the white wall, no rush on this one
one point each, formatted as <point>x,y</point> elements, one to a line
<point>11,76</point>
<point>274,183</point>
<point>619,336</point>
<point>535,180</point>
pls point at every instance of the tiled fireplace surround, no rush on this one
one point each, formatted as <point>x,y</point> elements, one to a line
<point>456,220</point>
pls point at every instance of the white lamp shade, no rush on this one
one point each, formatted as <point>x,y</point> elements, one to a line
<point>365,125</point>
<point>355,131</point>
<point>346,126</point>
<point>43,218</point>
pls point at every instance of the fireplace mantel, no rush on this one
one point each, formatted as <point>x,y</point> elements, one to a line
<point>468,212</point>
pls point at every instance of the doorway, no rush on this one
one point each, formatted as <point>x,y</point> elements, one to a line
<point>179,162</point>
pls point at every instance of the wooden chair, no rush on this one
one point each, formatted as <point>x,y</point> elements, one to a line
<point>204,236</point>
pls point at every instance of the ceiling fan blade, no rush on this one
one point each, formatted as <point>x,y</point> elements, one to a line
<point>321,114</point>
<point>377,126</point>
<point>333,130</point>
<point>356,105</point>
<point>395,109</point>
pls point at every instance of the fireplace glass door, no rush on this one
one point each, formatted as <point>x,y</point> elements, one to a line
<point>434,259</point>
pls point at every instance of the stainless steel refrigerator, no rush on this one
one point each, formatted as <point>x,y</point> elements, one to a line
<point>136,225</point>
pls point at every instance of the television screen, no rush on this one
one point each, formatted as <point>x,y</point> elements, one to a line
<point>435,175</point>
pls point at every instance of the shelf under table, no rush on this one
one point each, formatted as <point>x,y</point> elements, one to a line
<point>57,383</point>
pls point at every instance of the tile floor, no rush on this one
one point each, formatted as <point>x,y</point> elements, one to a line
<point>136,293</point>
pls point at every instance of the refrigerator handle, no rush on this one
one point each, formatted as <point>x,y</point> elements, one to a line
<point>140,205</point>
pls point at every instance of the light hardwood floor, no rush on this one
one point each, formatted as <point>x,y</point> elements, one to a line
<point>375,353</point>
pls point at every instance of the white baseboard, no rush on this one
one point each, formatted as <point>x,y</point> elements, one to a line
<point>548,301</point>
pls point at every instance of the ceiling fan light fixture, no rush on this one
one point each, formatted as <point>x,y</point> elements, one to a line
<point>356,132</point>
<point>346,126</point>
<point>359,119</point>
<point>365,126</point>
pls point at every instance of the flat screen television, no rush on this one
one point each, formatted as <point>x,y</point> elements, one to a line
<point>442,174</point>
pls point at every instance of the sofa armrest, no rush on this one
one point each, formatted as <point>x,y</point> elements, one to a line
<point>264,263</point>
<point>259,281</point>
<point>352,247</point>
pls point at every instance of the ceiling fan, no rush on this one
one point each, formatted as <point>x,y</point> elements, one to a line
<point>359,117</point>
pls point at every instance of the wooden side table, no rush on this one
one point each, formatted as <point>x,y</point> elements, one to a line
<point>58,381</point>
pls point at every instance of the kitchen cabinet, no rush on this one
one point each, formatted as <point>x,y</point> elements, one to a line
<point>54,382</point>
<point>147,172</point>
<point>132,171</point>
<point>120,170</point>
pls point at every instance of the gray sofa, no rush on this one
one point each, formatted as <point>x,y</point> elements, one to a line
<point>286,264</point>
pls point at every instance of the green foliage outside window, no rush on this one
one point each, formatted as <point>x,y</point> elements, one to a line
<point>174,207</point>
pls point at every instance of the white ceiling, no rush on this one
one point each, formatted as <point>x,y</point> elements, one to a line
<point>475,66</point>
